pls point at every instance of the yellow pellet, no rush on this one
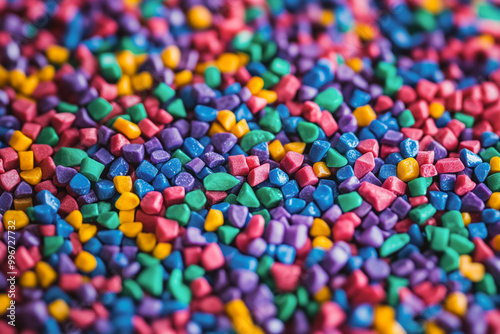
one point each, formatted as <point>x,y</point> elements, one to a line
<point>14,220</point>
<point>45,273</point>
<point>183,78</point>
<point>85,261</point>
<point>32,176</point>
<point>131,230</point>
<point>26,160</point>
<point>57,54</point>
<point>227,119</point>
<point>146,242</point>
<point>20,142</point>
<point>276,150</point>
<point>59,310</point>
<point>171,56</point>
<point>122,183</point>
<point>142,81</point>
<point>127,128</point>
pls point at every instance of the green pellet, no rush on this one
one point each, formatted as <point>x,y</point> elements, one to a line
<point>247,197</point>
<point>422,213</point>
<point>67,107</point>
<point>329,99</point>
<point>264,213</point>
<point>286,305</point>
<point>241,42</point>
<point>349,201</point>
<point>425,20</point>
<point>219,182</point>
<point>227,233</point>
<point>280,66</point>
<point>395,284</point>
<point>270,49</point>
<point>183,157</point>
<point>132,289</point>
<point>392,85</point>
<point>466,119</point>
<point>269,197</point>
<point>196,200</point>
<point>99,108</point>
<point>193,272</point>
<point>151,280</point>
<point>264,266</point>
<point>461,244</point>
<point>308,132</point>
<point>52,245</point>
<point>487,285</point>
<point>335,159</point>
<point>180,291</point>
<point>418,187</point>
<point>270,79</point>
<point>91,169</point>
<point>255,137</point>
<point>231,199</point>
<point>212,77</point>
<point>489,153</point>
<point>449,261</point>
<point>271,122</point>
<point>385,70</point>
<point>179,212</point>
<point>177,109</point>
<point>405,119</point>
<point>69,157</point>
<point>104,207</point>
<point>48,136</point>
<point>110,69</point>
<point>147,260</point>
<point>109,220</point>
<point>137,112</point>
<point>452,220</point>
<point>90,212</point>
<point>493,182</point>
<point>302,296</point>
<point>440,238</point>
<point>393,244</point>
<point>163,92</point>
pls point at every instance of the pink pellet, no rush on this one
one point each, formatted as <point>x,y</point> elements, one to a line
<point>428,170</point>
<point>211,257</point>
<point>291,162</point>
<point>252,161</point>
<point>255,227</point>
<point>306,177</point>
<point>258,175</point>
<point>449,165</point>
<point>364,164</point>
<point>152,202</point>
<point>380,198</point>
<point>174,195</point>
<point>425,157</point>
<point>463,185</point>
<point>166,230</point>
<point>238,165</point>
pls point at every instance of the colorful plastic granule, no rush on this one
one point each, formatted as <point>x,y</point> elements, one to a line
<point>230,166</point>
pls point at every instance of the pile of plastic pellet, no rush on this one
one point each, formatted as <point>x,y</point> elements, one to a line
<point>243,166</point>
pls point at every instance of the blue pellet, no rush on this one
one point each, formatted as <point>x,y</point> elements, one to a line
<point>447,182</point>
<point>324,197</point>
<point>63,229</point>
<point>318,150</point>
<point>438,199</point>
<point>481,171</point>
<point>393,159</point>
<point>171,168</point>
<point>104,189</point>
<point>344,173</point>
<point>173,261</point>
<point>346,142</point>
<point>470,159</point>
<point>377,128</point>
<point>490,216</point>
<point>285,254</point>
<point>352,156</point>
<point>160,183</point>
<point>454,202</point>
<point>311,210</point>
<point>192,147</point>
<point>314,257</point>
<point>409,148</point>
<point>361,316</point>
<point>478,230</point>
<point>45,197</point>
<point>359,98</point>
<point>295,205</point>
<point>93,246</point>
<point>110,237</point>
<point>240,261</point>
<point>290,189</point>
<point>146,171</point>
<point>141,188</point>
<point>278,177</point>
<point>43,214</point>
<point>119,167</point>
<point>205,113</point>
